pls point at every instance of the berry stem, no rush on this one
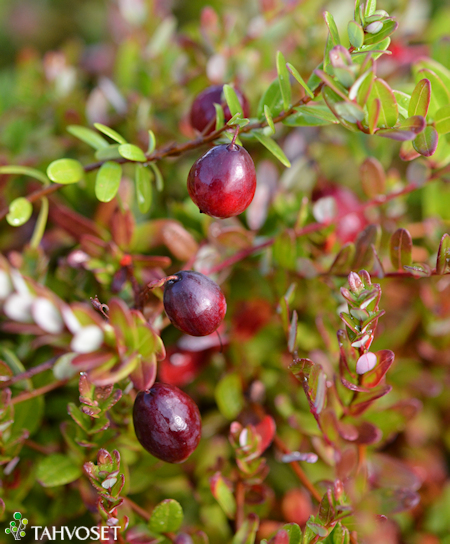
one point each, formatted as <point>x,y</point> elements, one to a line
<point>236,132</point>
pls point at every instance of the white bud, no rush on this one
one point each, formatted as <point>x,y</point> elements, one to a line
<point>5,285</point>
<point>87,339</point>
<point>18,307</point>
<point>47,316</point>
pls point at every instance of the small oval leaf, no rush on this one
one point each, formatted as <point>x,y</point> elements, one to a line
<point>166,517</point>
<point>65,171</point>
<point>111,133</point>
<point>143,188</point>
<point>57,469</point>
<point>355,34</point>
<point>426,142</point>
<point>299,78</point>
<point>441,120</point>
<point>400,249</point>
<point>132,153</point>
<point>232,100</point>
<point>443,256</point>
<point>20,211</point>
<point>88,136</point>
<point>107,181</point>
<point>420,99</point>
<point>283,78</point>
<point>273,147</point>
<point>388,105</point>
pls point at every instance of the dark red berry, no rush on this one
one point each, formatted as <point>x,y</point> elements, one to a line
<point>194,303</point>
<point>203,110</point>
<point>223,182</point>
<point>167,422</point>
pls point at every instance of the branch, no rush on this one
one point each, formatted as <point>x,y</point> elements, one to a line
<point>37,392</point>
<point>30,372</point>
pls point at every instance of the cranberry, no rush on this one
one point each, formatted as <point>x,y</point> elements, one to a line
<point>194,303</point>
<point>167,422</point>
<point>223,182</point>
<point>203,110</point>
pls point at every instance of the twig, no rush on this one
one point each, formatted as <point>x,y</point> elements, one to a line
<point>30,372</point>
<point>298,470</point>
<point>240,503</point>
<point>37,392</point>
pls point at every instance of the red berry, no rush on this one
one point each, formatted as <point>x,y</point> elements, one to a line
<point>194,303</point>
<point>223,182</point>
<point>167,422</point>
<point>203,110</point>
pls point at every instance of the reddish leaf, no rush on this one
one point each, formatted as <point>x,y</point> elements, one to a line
<point>365,400</point>
<point>89,361</point>
<point>364,252</point>
<point>373,377</point>
<point>406,130</point>
<point>401,249</point>
<point>426,142</point>
<point>144,375</point>
<point>368,433</point>
<point>265,429</point>
<point>373,177</point>
<point>280,538</point>
<point>385,471</point>
<point>313,379</point>
<point>343,259</point>
<point>407,151</point>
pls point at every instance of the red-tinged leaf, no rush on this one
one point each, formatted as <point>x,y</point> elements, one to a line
<point>292,340</point>
<point>343,259</point>
<point>122,322</point>
<point>389,27</point>
<point>326,511</point>
<point>406,130</point>
<point>221,488</point>
<point>394,501</point>
<point>144,375</point>
<point>401,249</point>
<point>280,538</point>
<point>334,102</point>
<point>420,99</point>
<point>442,120</point>
<point>373,177</point>
<point>385,358</point>
<point>265,429</point>
<point>387,472</point>
<point>331,83</point>
<point>329,424</point>
<point>347,431</point>
<point>443,256</point>
<point>313,380</point>
<point>247,531</point>
<point>388,104</point>
<point>440,94</point>
<point>368,433</point>
<point>426,142</point>
<point>407,151</point>
<point>89,361</point>
<point>365,400</point>
<point>113,371</point>
<point>373,114</point>
<point>364,88</point>
<point>317,529</point>
<point>364,252</point>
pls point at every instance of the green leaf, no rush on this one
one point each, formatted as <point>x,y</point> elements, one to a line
<point>332,84</point>
<point>108,153</point>
<point>373,177</point>
<point>41,223</point>
<point>406,130</point>
<point>400,249</point>
<point>247,531</point>
<point>442,120</point>
<point>25,171</point>
<point>343,260</point>
<point>355,34</point>
<point>317,529</point>
<point>132,153</point>
<point>420,99</point>
<point>294,532</point>
<point>370,7</point>
<point>311,115</point>
<point>299,78</point>
<point>232,100</point>
<point>366,241</point>
<point>403,101</point>
<point>283,78</point>
<point>273,147</point>
<point>388,105</point>
<point>166,517</point>
<point>331,24</point>
<point>388,28</point>
<point>440,95</point>
<point>443,256</point>
<point>362,88</point>
<point>151,142</point>
<point>111,133</point>
<point>107,181</point>
<point>220,117</point>
<point>426,142</point>
<point>223,495</point>
<point>143,188</point>
<point>88,136</point>
<point>20,211</point>
<point>57,469</point>
<point>229,397</point>
<point>373,114</point>
<point>28,415</point>
<point>269,118</point>
<point>65,171</point>
<point>158,177</point>
<point>271,98</point>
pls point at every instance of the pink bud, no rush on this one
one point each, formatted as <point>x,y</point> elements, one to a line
<point>366,362</point>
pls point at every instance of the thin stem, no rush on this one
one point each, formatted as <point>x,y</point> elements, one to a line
<point>240,503</point>
<point>298,470</point>
<point>30,372</point>
<point>143,513</point>
<point>37,392</point>
<point>45,450</point>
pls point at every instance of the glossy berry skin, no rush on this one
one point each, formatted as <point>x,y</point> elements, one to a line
<point>203,110</point>
<point>223,182</point>
<point>194,303</point>
<point>167,422</point>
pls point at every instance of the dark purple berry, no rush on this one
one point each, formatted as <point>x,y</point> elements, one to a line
<point>167,422</point>
<point>194,303</point>
<point>203,110</point>
<point>223,182</point>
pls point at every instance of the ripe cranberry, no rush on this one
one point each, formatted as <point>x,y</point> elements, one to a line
<point>347,202</point>
<point>194,303</point>
<point>167,422</point>
<point>203,110</point>
<point>223,182</point>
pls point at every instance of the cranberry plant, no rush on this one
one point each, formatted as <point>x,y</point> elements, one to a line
<point>224,273</point>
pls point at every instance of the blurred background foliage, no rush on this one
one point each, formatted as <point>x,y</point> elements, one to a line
<point>136,65</point>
